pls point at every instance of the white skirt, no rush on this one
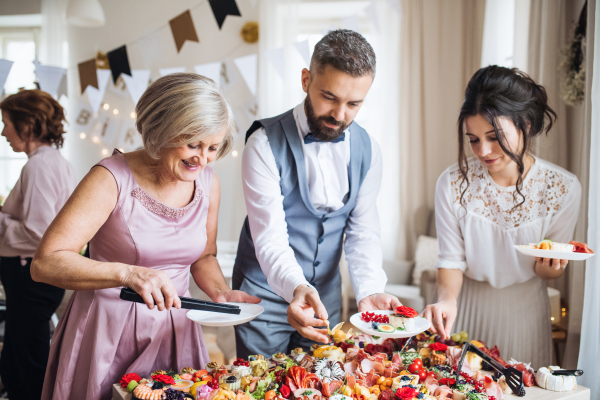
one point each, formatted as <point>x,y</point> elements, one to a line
<point>516,319</point>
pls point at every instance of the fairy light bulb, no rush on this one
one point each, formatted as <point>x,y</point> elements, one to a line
<point>234,153</point>
<point>115,111</point>
<point>105,106</point>
<point>96,139</point>
<point>82,135</point>
<point>132,115</point>
<point>104,152</point>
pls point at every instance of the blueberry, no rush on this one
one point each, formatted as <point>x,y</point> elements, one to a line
<point>420,396</point>
<point>251,358</point>
<point>231,379</point>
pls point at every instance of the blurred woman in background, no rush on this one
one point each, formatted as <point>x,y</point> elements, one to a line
<point>33,124</point>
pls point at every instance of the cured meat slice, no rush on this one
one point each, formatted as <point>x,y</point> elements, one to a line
<point>492,388</point>
<point>368,365</point>
<point>391,344</point>
<point>350,380</point>
<point>307,362</point>
<point>387,394</point>
<point>311,381</point>
<point>431,384</point>
<point>351,353</point>
<point>396,359</point>
<point>444,392</point>
<point>380,357</point>
<point>361,355</point>
<point>580,247</point>
<point>329,388</point>
<point>371,378</point>
<point>528,378</point>
<point>351,366</point>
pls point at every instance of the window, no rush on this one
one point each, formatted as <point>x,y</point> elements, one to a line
<point>19,46</point>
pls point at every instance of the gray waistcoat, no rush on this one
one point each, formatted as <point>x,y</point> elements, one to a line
<point>314,235</point>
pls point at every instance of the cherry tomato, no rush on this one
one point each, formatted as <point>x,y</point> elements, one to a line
<point>422,375</point>
<point>419,362</point>
<point>414,368</point>
<point>270,395</point>
<point>431,374</point>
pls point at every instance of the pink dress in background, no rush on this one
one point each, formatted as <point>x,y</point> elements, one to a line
<point>102,337</point>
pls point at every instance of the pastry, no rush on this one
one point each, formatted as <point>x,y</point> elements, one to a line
<point>404,380</point>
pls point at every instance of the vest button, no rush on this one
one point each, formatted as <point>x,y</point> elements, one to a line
<point>320,240</point>
<point>316,263</point>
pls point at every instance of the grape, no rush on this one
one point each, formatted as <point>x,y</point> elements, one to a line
<point>437,338</point>
<point>456,337</point>
<point>464,335</point>
<point>450,342</point>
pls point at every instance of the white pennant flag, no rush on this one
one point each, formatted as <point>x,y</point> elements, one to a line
<point>210,70</point>
<point>371,12</point>
<point>169,71</point>
<point>106,127</point>
<point>395,4</point>
<point>248,68</point>
<point>63,88</point>
<point>304,50</point>
<point>49,78</point>
<point>95,96</point>
<point>277,58</point>
<point>5,67</point>
<point>137,83</point>
<point>351,23</point>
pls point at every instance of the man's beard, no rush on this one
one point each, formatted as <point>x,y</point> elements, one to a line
<point>317,124</point>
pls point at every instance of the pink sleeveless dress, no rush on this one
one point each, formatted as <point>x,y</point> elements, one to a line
<point>101,337</point>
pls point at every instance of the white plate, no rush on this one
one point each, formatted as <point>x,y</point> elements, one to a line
<point>247,313</point>
<point>421,325</point>
<point>560,255</point>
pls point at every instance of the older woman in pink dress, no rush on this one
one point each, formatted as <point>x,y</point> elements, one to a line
<point>151,219</point>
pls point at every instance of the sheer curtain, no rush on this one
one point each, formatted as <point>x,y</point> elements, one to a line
<point>589,351</point>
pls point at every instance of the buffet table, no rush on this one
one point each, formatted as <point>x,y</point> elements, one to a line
<point>533,393</point>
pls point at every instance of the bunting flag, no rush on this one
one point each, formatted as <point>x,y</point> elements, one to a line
<point>118,62</point>
<point>183,29</point>
<point>371,11</point>
<point>152,49</point>
<point>5,67</point>
<point>210,70</point>
<point>63,88</point>
<point>129,138</point>
<point>96,95</point>
<point>248,67</point>
<point>277,58</point>
<point>49,78</point>
<point>84,118</point>
<point>87,74</point>
<point>106,127</point>
<point>137,83</point>
<point>304,50</point>
<point>222,8</point>
<point>351,23</point>
<point>169,71</point>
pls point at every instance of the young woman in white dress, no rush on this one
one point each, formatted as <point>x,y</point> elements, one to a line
<point>484,205</point>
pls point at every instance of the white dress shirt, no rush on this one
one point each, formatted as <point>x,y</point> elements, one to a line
<point>327,172</point>
<point>46,182</point>
<point>480,241</point>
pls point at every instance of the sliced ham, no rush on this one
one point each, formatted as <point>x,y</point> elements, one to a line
<point>352,353</point>
<point>368,365</point>
<point>351,367</point>
<point>396,359</point>
<point>492,388</point>
<point>361,355</point>
<point>431,384</point>
<point>443,392</point>
<point>528,378</point>
<point>380,357</point>
<point>371,379</point>
<point>329,388</point>
<point>350,380</point>
<point>387,394</point>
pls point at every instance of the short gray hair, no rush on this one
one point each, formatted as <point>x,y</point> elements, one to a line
<point>346,51</point>
<point>180,109</point>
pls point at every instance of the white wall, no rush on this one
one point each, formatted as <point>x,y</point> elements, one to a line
<point>128,21</point>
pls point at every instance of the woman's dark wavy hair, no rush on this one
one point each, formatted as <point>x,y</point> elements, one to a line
<point>39,110</point>
<point>503,92</point>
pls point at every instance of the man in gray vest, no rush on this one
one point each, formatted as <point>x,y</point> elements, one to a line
<point>311,176</point>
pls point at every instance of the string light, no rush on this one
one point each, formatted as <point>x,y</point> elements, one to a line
<point>551,318</point>
<point>82,135</point>
<point>105,106</point>
<point>95,139</point>
<point>104,152</point>
<point>234,153</point>
<point>132,115</point>
<point>115,111</point>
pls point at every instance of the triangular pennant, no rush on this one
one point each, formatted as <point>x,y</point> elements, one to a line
<point>351,23</point>
<point>49,78</point>
<point>183,29</point>
<point>5,67</point>
<point>277,58</point>
<point>395,4</point>
<point>222,8</point>
<point>247,66</point>
<point>95,96</point>
<point>118,62</point>
<point>87,74</point>
<point>137,83</point>
<point>210,70</point>
<point>304,50</point>
<point>371,11</point>
<point>169,71</point>
<point>63,88</point>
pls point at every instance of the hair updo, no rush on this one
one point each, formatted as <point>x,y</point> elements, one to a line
<point>495,92</point>
<point>38,110</point>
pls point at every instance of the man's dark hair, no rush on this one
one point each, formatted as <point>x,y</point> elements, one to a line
<point>346,51</point>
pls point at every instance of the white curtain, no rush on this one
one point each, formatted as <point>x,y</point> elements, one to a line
<point>589,351</point>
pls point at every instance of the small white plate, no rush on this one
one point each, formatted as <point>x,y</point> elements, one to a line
<point>206,318</point>
<point>421,325</point>
<point>560,255</point>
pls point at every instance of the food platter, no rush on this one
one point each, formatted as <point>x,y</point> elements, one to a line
<point>421,325</point>
<point>560,255</point>
<point>247,313</point>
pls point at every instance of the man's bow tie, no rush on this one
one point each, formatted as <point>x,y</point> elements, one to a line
<point>311,139</point>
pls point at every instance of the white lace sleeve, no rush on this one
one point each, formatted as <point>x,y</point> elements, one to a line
<point>562,224</point>
<point>450,238</point>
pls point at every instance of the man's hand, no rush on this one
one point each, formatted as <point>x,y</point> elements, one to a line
<point>378,301</point>
<point>442,315</point>
<point>301,314</point>
<point>236,296</point>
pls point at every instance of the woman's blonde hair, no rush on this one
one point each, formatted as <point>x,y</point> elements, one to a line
<point>180,109</point>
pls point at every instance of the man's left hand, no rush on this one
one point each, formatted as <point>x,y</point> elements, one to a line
<point>379,301</point>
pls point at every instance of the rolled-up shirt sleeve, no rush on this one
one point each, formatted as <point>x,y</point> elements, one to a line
<point>39,207</point>
<point>266,216</point>
<point>450,238</point>
<point>363,237</point>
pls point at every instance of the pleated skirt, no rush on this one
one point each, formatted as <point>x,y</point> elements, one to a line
<point>515,318</point>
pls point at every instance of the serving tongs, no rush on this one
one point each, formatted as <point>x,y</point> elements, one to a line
<point>514,377</point>
<point>573,372</point>
<point>186,302</point>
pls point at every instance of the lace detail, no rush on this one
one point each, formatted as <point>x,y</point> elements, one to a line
<point>160,209</point>
<point>544,191</point>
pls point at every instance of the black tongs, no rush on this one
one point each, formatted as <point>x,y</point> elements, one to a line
<point>186,302</point>
<point>514,377</point>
